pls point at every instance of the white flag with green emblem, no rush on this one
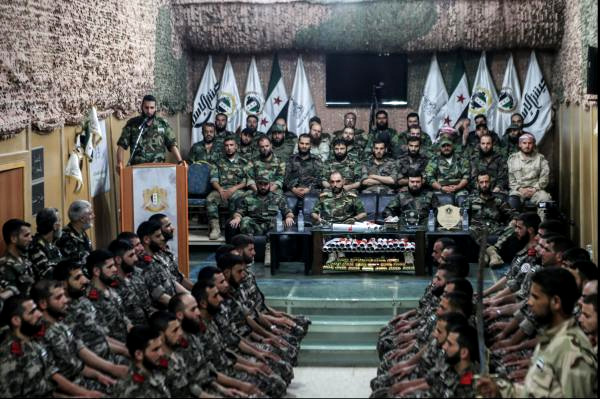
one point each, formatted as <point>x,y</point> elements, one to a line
<point>508,99</point>
<point>458,101</point>
<point>205,101</point>
<point>536,104</point>
<point>228,99</point>
<point>434,98</point>
<point>254,99</point>
<point>302,106</point>
<point>484,99</point>
<point>276,100</point>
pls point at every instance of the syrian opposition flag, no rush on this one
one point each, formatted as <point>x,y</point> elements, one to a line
<point>458,101</point>
<point>302,106</point>
<point>276,100</point>
<point>484,99</point>
<point>205,101</point>
<point>254,100</point>
<point>508,99</point>
<point>228,99</point>
<point>434,98</point>
<point>536,104</point>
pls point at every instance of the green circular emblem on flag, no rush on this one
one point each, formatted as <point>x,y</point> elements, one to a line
<point>253,103</point>
<point>481,101</point>
<point>226,104</point>
<point>506,100</point>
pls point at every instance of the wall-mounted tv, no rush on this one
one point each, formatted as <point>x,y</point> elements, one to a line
<point>351,78</point>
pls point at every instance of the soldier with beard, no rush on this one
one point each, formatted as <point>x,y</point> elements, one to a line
<point>412,205</point>
<point>338,205</point>
<point>475,138</point>
<point>246,144</point>
<point>74,242</point>
<point>412,160</point>
<point>72,358</point>
<point>266,165</point>
<point>400,141</point>
<point>563,362</point>
<point>303,170</point>
<point>206,150</point>
<point>382,131</point>
<point>379,173</point>
<point>82,318</point>
<point>16,273</point>
<point>192,344</point>
<point>319,142</point>
<point>446,172</point>
<point>283,144</point>
<point>221,356</point>
<point>487,158</point>
<point>512,134</point>
<point>588,319</point>
<point>136,243</point>
<point>356,147</point>
<point>169,257</point>
<point>146,378</point>
<point>44,254</point>
<point>350,121</point>
<point>528,172</point>
<point>137,303</point>
<point>485,210</point>
<point>160,282</point>
<point>342,163</point>
<point>221,131</point>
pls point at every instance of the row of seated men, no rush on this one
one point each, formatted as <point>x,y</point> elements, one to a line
<point>124,322</point>
<point>375,162</point>
<point>540,325</point>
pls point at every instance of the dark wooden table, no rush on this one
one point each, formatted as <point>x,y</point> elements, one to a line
<point>303,236</point>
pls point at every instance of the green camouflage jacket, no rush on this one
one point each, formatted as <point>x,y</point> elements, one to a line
<point>262,209</point>
<point>303,172</point>
<point>491,212</point>
<point>74,245</point>
<point>399,144</point>
<point>85,323</point>
<point>405,202</point>
<point>406,163</point>
<point>110,310</point>
<point>386,168</point>
<point>274,169</point>
<point>229,173</point>
<point>142,384</point>
<point>349,168</point>
<point>495,164</point>
<point>44,256</point>
<point>338,208</point>
<point>441,170</point>
<point>16,274</point>
<point>63,345</point>
<point>199,153</point>
<point>153,143</point>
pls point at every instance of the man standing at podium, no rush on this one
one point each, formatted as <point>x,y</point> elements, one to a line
<point>147,135</point>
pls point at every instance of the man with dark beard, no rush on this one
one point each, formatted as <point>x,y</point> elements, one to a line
<point>82,318</point>
<point>563,358</point>
<point>221,131</point>
<point>412,206</point>
<point>16,273</point>
<point>44,254</point>
<point>348,167</point>
<point>283,145</point>
<point>303,170</point>
<point>266,164</point>
<point>382,130</point>
<point>338,205</point>
<point>512,134</point>
<point>413,129</point>
<point>247,144</point>
<point>319,142</point>
<point>413,160</point>
<point>355,148</point>
<point>206,150</point>
<point>109,305</point>
<point>446,172</point>
<point>485,210</point>
<point>487,158</point>
<point>27,369</point>
<point>379,173</point>
<point>74,361</point>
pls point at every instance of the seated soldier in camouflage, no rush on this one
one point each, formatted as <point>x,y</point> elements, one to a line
<point>412,206</point>
<point>303,170</point>
<point>446,172</point>
<point>355,147</point>
<point>379,173</point>
<point>319,142</point>
<point>488,158</point>
<point>74,242</point>
<point>44,254</point>
<point>400,142</point>
<point>382,130</point>
<point>228,178</point>
<point>350,121</point>
<point>16,273</point>
<point>511,136</point>
<point>413,160</point>
<point>206,150</point>
<point>348,167</point>
<point>475,137</point>
<point>246,144</point>
<point>283,144</point>
<point>221,132</point>
<point>266,164</point>
<point>147,375</point>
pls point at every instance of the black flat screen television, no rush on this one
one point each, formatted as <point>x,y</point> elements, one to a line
<point>351,79</point>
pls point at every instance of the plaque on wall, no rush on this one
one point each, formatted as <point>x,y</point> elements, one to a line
<point>448,216</point>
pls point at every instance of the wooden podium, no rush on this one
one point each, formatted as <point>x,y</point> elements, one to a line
<point>152,188</point>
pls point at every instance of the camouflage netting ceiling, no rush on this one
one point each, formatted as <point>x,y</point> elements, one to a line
<point>256,26</point>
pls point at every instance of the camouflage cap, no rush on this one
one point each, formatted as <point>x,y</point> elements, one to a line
<point>262,178</point>
<point>445,140</point>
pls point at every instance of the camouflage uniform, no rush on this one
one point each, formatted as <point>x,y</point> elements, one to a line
<point>510,147</point>
<point>444,172</point>
<point>563,365</point>
<point>44,256</point>
<point>338,208</point>
<point>142,384</point>
<point>386,135</point>
<point>285,149</point>
<point>399,144</point>
<point>16,274</point>
<point>200,371</point>
<point>405,202</point>
<point>249,151</point>
<point>357,133</point>
<point>487,211</point>
<point>495,164</point>
<point>158,278</point>
<point>227,173</point>
<point>169,259</point>
<point>111,312</point>
<point>387,167</point>
<point>529,171</point>
<point>406,163</point>
<point>348,167</point>
<point>303,172</point>
<point>258,211</point>
<point>321,151</point>
<point>155,139</point>
<point>26,369</point>
<point>84,321</point>
<point>136,299</point>
<point>183,382</point>
<point>198,153</point>
<point>73,245</point>
<point>273,169</point>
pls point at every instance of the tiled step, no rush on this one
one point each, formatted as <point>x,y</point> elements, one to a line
<point>338,355</point>
<point>200,238</point>
<point>346,324</point>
